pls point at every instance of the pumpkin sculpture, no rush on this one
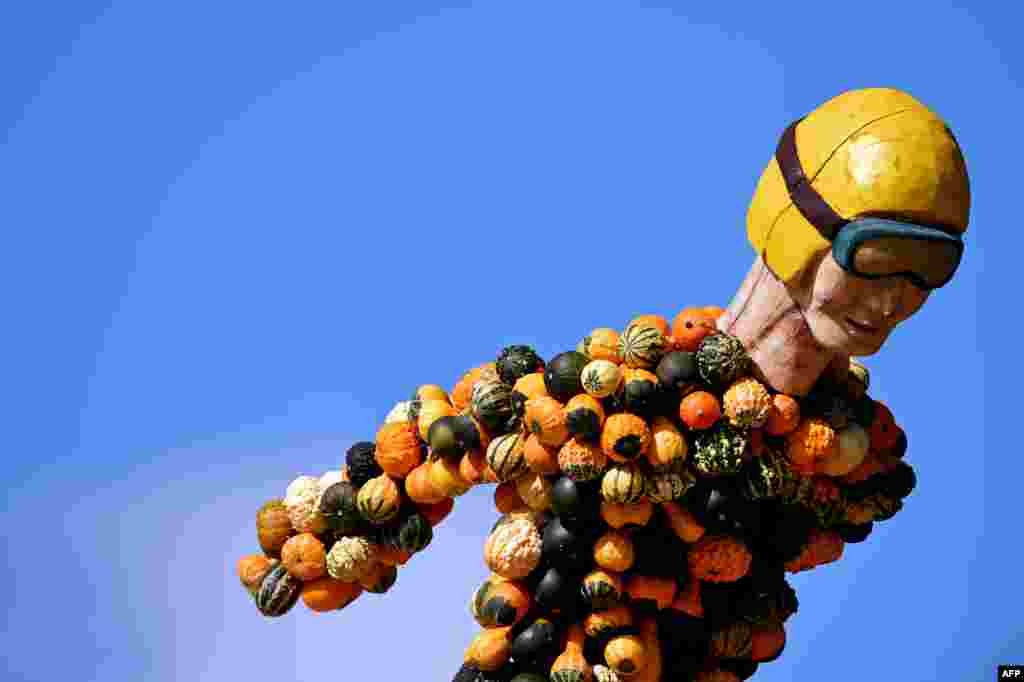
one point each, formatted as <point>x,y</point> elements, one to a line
<point>654,494</point>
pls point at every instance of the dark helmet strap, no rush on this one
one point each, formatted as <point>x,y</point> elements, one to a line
<point>811,204</point>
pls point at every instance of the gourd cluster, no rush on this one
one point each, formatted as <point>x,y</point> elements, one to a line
<point>653,495</point>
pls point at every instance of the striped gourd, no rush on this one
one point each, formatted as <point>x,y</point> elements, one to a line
<point>412,534</point>
<point>642,345</point>
<point>602,590</point>
<point>379,499</point>
<point>278,592</point>
<point>668,486</point>
<point>497,406</point>
<point>506,456</point>
<point>623,484</point>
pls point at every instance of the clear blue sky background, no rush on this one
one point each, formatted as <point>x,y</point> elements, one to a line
<point>236,233</point>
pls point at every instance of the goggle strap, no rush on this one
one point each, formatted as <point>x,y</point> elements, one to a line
<point>811,205</point>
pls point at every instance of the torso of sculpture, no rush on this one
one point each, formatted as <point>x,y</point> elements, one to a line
<point>657,483</point>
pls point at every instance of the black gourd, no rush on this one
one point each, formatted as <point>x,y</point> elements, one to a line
<point>562,375</point>
<point>361,463</point>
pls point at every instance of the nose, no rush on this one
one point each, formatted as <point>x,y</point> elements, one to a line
<point>889,298</point>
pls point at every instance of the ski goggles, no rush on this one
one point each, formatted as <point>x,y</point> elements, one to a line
<point>871,247</point>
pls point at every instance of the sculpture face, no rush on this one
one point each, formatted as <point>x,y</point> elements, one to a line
<point>854,315</point>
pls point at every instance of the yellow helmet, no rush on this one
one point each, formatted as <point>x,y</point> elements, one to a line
<point>873,152</point>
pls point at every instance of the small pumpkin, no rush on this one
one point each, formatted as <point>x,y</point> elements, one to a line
<point>783,417</point>
<point>747,403</point>
<point>427,392</point>
<point>304,556</point>
<point>546,419</point>
<point>623,484</point>
<point>328,594</point>
<point>722,359</point>
<point>507,457</point>
<point>602,344</point>
<point>600,623</point>
<point>625,437</point>
<point>614,551</point>
<point>278,592</point>
<point>252,569</point>
<point>380,578</point>
<point>431,411</point>
<point>350,558</point>
<point>584,417</point>
<point>688,600</point>
<point>338,506</point>
<point>513,548</point>
<point>562,375</point>
<point>719,558</point>
<point>626,655</point>
<point>273,527</point>
<point>535,490</point>
<point>500,602</point>
<point>531,385</point>
<point>446,477</point>
<point>462,394</point>
<point>497,406</point>
<point>419,487</point>
<point>642,345</point>
<point>884,431</point>
<point>378,501</point>
<point>489,650</point>
<point>700,410</point>
<point>683,523</point>
<point>540,458</point>
<point>618,515</point>
<point>767,642</point>
<point>668,448</point>
<point>602,590</point>
<point>582,461</point>
<point>661,591</point>
<point>302,501</point>
<point>398,449</point>
<point>571,666</point>
<point>677,372</point>
<point>690,326</point>
<point>601,378</point>
<point>813,440</point>
<point>517,361</point>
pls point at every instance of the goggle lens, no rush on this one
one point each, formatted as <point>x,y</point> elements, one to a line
<point>928,263</point>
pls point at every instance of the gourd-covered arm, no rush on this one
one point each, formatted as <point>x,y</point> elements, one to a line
<point>635,475</point>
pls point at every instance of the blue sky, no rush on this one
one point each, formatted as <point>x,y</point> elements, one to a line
<point>237,233</point>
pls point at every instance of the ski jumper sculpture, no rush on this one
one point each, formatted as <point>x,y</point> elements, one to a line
<point>655,485</point>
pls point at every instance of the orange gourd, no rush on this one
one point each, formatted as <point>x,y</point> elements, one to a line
<point>399,449</point>
<point>719,558</point>
<point>620,515</point>
<point>489,649</point>
<point>625,437</point>
<point>446,477</point>
<point>614,551</point>
<point>462,393</point>
<point>598,623</point>
<point>690,327</point>
<point>668,448</point>
<point>661,591</point>
<point>419,487</point>
<point>471,467</point>
<point>304,556</point>
<point>252,569</point>
<point>814,439</point>
<point>546,419</point>
<point>651,672</point>
<point>427,392</point>
<point>783,415</point>
<point>884,432</point>
<point>602,344</point>
<point>626,655</point>
<point>653,321</point>
<point>688,600</point>
<point>437,512</point>
<point>329,594</point>
<point>531,385</point>
<point>700,410</point>
<point>541,458</point>
<point>767,641</point>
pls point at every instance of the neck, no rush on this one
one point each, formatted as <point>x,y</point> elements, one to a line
<point>771,326</point>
